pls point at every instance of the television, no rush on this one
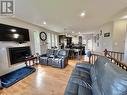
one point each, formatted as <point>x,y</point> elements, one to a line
<point>13,33</point>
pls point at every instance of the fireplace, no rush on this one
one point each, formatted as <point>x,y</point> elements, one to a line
<point>18,54</point>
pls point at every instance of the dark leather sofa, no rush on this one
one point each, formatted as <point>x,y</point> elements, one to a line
<point>55,58</point>
<point>102,78</point>
<point>61,59</point>
<point>43,59</point>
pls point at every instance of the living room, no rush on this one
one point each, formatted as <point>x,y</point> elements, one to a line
<point>58,45</point>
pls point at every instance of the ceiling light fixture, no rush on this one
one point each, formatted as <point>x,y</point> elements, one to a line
<point>72,32</point>
<point>44,23</point>
<point>79,33</point>
<point>83,14</point>
<point>124,17</point>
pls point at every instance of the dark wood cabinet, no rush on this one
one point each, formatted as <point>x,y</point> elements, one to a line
<point>63,39</point>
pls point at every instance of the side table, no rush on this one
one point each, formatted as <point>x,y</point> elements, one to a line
<point>29,59</point>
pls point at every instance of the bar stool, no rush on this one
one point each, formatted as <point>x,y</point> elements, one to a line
<point>77,53</point>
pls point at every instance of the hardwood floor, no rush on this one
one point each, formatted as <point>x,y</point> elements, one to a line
<point>45,81</point>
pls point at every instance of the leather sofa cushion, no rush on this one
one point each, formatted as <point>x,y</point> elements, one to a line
<point>79,82</point>
<point>114,80</point>
<point>76,89</point>
<point>59,62</point>
<point>85,66</point>
<point>93,74</point>
<point>96,89</point>
<point>96,73</point>
<point>81,72</point>
<point>62,53</point>
<point>50,61</point>
<point>79,75</point>
<point>50,52</point>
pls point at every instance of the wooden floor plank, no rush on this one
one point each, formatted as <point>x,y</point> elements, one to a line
<point>45,81</point>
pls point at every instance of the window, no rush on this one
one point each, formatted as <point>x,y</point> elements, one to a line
<point>37,43</point>
<point>49,40</point>
<point>56,40</point>
<point>90,44</point>
<point>53,40</point>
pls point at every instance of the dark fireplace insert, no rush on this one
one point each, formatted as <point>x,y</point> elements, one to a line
<point>18,54</point>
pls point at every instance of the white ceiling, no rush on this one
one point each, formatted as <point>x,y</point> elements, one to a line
<point>60,14</point>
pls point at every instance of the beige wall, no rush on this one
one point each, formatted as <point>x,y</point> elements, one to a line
<point>104,42</point>
<point>88,41</point>
<point>125,51</point>
<point>119,32</point>
<point>116,41</point>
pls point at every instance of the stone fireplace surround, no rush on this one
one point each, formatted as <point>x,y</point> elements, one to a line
<point>5,66</point>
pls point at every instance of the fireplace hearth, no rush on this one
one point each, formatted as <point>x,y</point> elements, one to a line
<point>18,54</point>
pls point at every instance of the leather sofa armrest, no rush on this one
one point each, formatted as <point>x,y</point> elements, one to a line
<point>64,61</point>
<point>86,66</point>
